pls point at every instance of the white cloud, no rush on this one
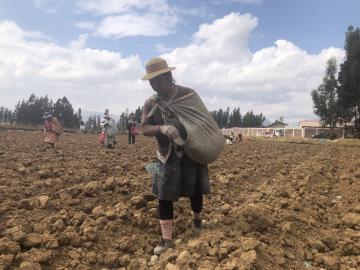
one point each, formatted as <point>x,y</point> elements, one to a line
<point>132,17</point>
<point>217,63</point>
<point>92,79</point>
<point>80,43</point>
<point>149,24</point>
<point>161,48</point>
<point>49,6</point>
<point>255,2</point>
<point>200,11</point>
<point>276,80</point>
<point>252,2</point>
<point>103,7</point>
<point>89,25</point>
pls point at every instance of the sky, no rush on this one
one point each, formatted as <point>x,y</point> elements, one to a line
<point>260,55</point>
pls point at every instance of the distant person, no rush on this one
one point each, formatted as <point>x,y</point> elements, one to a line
<point>180,175</point>
<point>232,137</point>
<point>240,138</point>
<point>52,129</point>
<point>82,127</point>
<point>109,130</point>
<point>132,131</point>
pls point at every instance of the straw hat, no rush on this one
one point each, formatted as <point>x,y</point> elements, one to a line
<point>156,67</point>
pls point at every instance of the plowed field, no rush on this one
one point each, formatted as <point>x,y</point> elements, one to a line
<point>274,205</point>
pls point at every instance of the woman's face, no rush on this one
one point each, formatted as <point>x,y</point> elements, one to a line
<point>160,84</point>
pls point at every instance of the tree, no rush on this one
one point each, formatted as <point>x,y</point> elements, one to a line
<point>122,122</point>
<point>138,114</point>
<point>252,120</point>
<point>349,78</point>
<point>225,119</point>
<point>98,126</point>
<point>325,98</point>
<point>31,111</point>
<point>7,116</point>
<point>235,118</point>
<point>79,115</point>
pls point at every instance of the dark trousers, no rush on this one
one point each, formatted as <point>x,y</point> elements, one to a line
<point>131,138</point>
<point>166,209</point>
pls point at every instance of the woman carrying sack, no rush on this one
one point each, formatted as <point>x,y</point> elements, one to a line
<point>109,129</point>
<point>176,116</point>
<point>52,129</point>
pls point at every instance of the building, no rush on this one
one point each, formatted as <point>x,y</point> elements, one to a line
<point>310,124</point>
<point>277,124</point>
<point>312,128</point>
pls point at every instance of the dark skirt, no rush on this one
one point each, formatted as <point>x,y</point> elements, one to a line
<point>179,177</point>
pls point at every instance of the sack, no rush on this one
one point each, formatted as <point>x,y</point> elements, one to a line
<point>56,127</point>
<point>134,131</point>
<point>111,131</point>
<point>102,137</point>
<point>204,141</point>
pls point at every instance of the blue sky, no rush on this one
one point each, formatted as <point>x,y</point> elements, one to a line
<point>312,25</point>
<point>128,33</point>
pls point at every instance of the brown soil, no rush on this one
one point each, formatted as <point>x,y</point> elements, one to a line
<point>273,206</point>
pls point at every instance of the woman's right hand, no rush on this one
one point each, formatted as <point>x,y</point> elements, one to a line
<point>169,131</point>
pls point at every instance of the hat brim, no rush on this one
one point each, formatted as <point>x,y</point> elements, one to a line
<point>47,116</point>
<point>157,73</point>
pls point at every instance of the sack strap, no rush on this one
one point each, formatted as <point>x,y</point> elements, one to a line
<point>159,103</point>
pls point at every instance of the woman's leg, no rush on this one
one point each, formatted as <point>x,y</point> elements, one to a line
<point>166,216</point>
<point>197,205</point>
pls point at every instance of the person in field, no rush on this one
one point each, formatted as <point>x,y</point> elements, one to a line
<point>109,130</point>
<point>179,175</point>
<point>240,138</point>
<point>132,131</point>
<point>52,129</point>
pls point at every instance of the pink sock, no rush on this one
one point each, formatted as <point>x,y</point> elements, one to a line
<point>166,228</point>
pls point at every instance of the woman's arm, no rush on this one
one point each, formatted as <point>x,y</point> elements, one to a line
<point>149,128</point>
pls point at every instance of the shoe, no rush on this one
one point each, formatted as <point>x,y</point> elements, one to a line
<point>196,225</point>
<point>164,245</point>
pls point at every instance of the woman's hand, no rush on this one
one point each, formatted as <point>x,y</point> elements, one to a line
<point>170,131</point>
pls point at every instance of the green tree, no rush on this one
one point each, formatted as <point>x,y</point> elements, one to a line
<point>79,116</point>
<point>325,98</point>
<point>349,78</point>
<point>65,112</point>
<point>252,120</point>
<point>122,122</point>
<point>31,111</point>
<point>225,118</point>
<point>235,118</point>
<point>138,114</point>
